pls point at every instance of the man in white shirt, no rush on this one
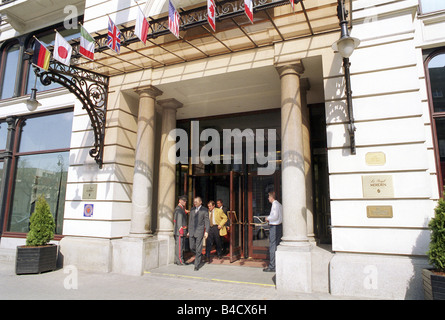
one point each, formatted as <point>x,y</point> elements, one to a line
<point>275,220</point>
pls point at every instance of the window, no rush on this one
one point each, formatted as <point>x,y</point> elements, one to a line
<point>435,66</point>
<point>3,134</point>
<point>10,67</point>
<point>427,6</point>
<point>41,168</point>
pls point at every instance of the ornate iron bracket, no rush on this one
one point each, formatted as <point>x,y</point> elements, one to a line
<point>91,89</point>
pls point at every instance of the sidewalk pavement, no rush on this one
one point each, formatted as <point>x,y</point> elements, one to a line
<point>211,282</point>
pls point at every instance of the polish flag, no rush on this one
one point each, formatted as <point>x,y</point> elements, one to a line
<point>248,8</point>
<point>211,8</point>
<point>141,27</point>
<point>62,50</point>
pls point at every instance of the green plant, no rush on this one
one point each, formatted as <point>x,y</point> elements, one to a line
<point>436,252</point>
<point>41,229</point>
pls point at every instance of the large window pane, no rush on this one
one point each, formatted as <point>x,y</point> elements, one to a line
<point>432,5</point>
<point>46,133</point>
<point>436,68</point>
<point>3,134</point>
<point>9,76</point>
<point>41,174</point>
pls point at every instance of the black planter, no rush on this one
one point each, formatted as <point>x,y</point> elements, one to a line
<point>433,285</point>
<point>36,259</point>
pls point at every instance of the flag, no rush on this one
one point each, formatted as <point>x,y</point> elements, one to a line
<point>173,19</point>
<point>41,55</point>
<point>141,27</point>
<point>87,44</point>
<point>62,50</point>
<point>211,8</point>
<point>292,4</point>
<point>248,9</point>
<point>114,37</point>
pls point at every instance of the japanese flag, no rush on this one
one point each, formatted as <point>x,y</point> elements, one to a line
<point>62,50</point>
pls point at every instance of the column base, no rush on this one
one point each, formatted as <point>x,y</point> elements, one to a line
<point>134,255</point>
<point>166,248</point>
<point>293,267</point>
<point>89,254</point>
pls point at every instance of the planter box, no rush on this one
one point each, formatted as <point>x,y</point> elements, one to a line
<point>36,259</point>
<point>433,285</point>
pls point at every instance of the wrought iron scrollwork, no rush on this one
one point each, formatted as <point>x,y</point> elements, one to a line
<point>91,89</point>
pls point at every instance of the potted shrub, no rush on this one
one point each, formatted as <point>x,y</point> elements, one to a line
<point>38,255</point>
<point>434,279</point>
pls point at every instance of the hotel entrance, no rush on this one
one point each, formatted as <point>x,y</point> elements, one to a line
<point>242,186</point>
<point>243,182</point>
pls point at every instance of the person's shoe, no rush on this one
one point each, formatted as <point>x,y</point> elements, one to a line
<point>268,269</point>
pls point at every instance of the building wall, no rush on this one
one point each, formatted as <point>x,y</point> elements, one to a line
<point>392,119</point>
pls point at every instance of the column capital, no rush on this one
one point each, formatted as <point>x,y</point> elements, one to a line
<point>170,104</point>
<point>290,69</point>
<point>150,91</point>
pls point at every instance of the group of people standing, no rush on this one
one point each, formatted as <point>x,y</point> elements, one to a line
<point>210,225</point>
<point>204,224</point>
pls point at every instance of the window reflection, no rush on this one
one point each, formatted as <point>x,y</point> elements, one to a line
<point>3,135</point>
<point>432,5</point>
<point>436,68</point>
<point>41,174</point>
<point>46,133</point>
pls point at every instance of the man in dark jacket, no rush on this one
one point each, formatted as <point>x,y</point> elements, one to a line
<point>197,229</point>
<point>180,229</point>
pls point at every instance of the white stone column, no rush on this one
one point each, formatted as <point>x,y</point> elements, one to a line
<point>142,197</point>
<point>140,251</point>
<point>167,181</point>
<point>293,266</point>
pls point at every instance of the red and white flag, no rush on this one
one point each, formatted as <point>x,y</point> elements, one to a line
<point>141,27</point>
<point>248,8</point>
<point>211,16</point>
<point>292,3</point>
<point>62,50</point>
<point>173,19</point>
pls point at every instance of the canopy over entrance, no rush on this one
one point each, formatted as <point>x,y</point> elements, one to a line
<point>274,21</point>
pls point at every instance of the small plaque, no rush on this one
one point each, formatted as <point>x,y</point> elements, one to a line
<point>379,211</point>
<point>378,186</point>
<point>375,158</point>
<point>89,192</point>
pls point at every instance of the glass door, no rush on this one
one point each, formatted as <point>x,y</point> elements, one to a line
<point>259,208</point>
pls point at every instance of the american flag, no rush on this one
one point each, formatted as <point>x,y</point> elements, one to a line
<point>173,19</point>
<point>114,37</point>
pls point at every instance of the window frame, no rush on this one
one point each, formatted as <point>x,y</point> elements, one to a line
<point>4,55</point>
<point>434,116</point>
<point>13,170</point>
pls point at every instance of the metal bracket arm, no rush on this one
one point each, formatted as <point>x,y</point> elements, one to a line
<point>91,89</point>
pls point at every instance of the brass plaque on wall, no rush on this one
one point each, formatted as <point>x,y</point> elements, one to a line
<point>375,158</point>
<point>380,186</point>
<point>379,211</point>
